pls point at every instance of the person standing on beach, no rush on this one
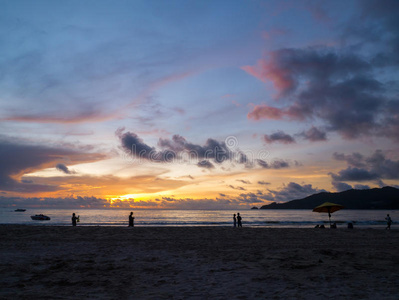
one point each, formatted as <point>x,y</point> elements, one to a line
<point>389,222</point>
<point>131,220</point>
<point>239,220</point>
<point>74,219</point>
<point>234,220</point>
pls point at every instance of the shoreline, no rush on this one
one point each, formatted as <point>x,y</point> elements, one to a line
<point>191,262</point>
<point>310,227</point>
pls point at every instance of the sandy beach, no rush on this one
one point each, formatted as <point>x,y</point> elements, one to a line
<point>197,263</point>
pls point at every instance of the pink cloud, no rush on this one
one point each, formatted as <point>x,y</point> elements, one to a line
<point>263,111</point>
<point>270,70</point>
<point>82,117</point>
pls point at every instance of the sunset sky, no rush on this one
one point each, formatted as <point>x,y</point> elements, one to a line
<point>195,104</point>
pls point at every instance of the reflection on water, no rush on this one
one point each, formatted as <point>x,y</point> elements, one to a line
<point>258,218</point>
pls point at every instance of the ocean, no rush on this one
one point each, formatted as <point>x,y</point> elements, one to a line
<point>250,218</point>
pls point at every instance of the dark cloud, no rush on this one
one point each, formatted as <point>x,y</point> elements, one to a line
<point>354,174</point>
<point>263,163</point>
<point>291,191</point>
<point>361,187</point>
<point>385,168</point>
<point>240,188</point>
<point>375,167</point>
<point>279,137</point>
<point>26,181</point>
<point>135,146</point>
<point>341,186</point>
<point>263,182</point>
<point>63,168</point>
<point>212,150</point>
<point>205,164</point>
<point>176,144</point>
<point>391,127</point>
<point>279,164</point>
<point>179,148</point>
<point>243,159</point>
<point>218,151</point>
<point>244,181</point>
<point>276,164</point>
<point>383,27</point>
<point>340,91</point>
<point>354,160</point>
<point>17,159</point>
<point>341,87</point>
<point>314,135</point>
<point>250,198</point>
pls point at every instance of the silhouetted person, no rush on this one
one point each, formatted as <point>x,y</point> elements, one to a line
<point>334,225</point>
<point>235,220</point>
<point>350,225</point>
<point>239,220</point>
<point>74,219</point>
<point>131,220</point>
<point>389,222</point>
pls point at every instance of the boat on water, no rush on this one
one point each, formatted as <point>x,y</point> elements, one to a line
<point>40,217</point>
<point>20,209</point>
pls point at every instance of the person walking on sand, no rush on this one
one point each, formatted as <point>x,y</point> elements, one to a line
<point>389,222</point>
<point>131,220</point>
<point>239,220</point>
<point>234,220</point>
<point>74,219</point>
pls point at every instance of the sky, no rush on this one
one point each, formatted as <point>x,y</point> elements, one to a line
<point>195,104</point>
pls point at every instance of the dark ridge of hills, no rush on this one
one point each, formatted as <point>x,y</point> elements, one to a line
<point>378,198</point>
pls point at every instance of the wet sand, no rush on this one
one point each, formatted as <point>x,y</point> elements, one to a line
<point>197,263</point>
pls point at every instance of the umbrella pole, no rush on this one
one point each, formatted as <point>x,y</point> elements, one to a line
<point>329,216</point>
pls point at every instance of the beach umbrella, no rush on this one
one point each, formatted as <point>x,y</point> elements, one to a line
<point>328,207</point>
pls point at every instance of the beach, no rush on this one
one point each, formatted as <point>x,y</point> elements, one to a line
<point>92,262</point>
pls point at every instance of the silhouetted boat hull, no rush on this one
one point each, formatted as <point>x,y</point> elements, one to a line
<point>20,209</point>
<point>40,217</point>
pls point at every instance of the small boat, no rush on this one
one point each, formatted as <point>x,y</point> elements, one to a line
<point>40,217</point>
<point>20,209</point>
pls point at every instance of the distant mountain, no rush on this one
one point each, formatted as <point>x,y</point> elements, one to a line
<point>384,198</point>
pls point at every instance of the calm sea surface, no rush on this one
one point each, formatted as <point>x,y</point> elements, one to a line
<point>253,218</point>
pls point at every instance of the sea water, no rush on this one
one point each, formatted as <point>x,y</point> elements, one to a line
<point>251,218</point>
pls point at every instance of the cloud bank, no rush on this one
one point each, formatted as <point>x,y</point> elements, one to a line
<point>179,149</point>
<point>376,167</point>
<point>17,159</point>
<point>291,191</point>
<point>339,86</point>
